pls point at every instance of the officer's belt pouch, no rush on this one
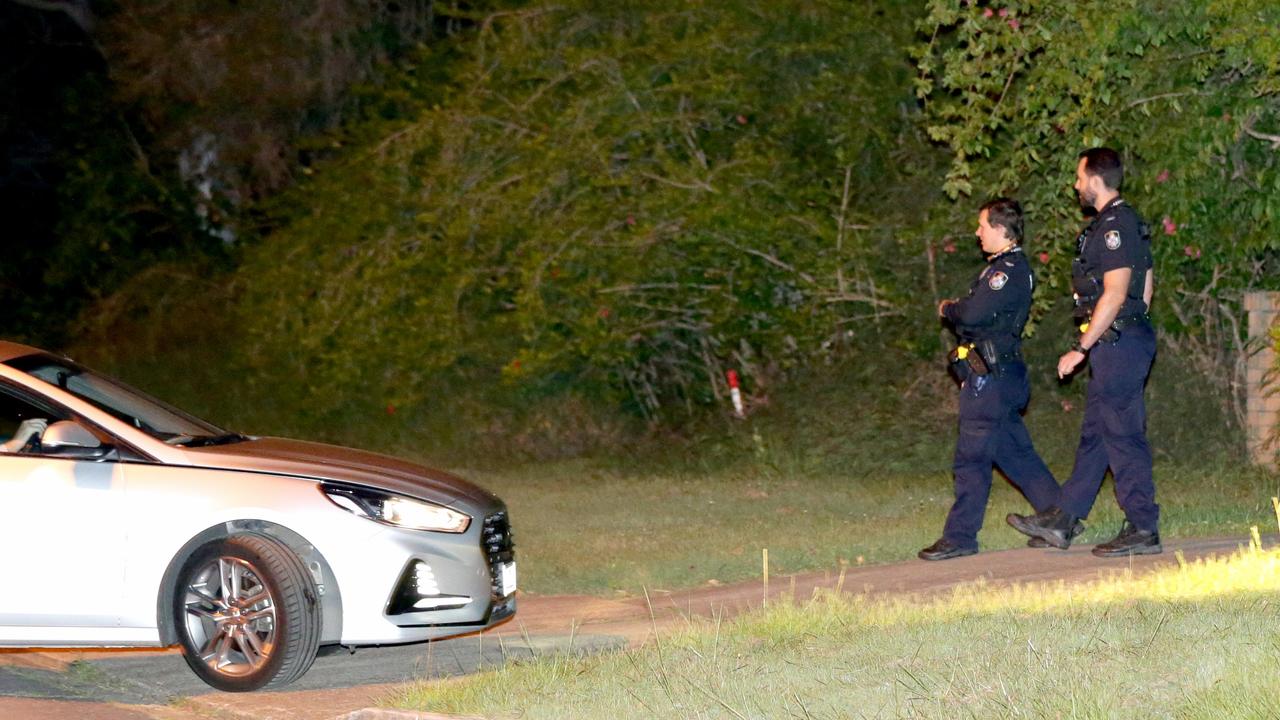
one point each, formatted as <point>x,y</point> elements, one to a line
<point>970,356</point>
<point>1110,335</point>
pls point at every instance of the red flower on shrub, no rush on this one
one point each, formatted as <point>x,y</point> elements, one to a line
<point>1192,252</point>
<point>1163,176</point>
<point>1170,227</point>
<point>1044,258</point>
<point>987,13</point>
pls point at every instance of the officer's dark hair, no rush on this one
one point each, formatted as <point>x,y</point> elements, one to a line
<point>1106,164</point>
<point>1007,213</point>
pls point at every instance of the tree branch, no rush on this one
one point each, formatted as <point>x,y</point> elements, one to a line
<point>1162,96</point>
<point>771,259</point>
<point>1013,71</point>
<point>1265,137</point>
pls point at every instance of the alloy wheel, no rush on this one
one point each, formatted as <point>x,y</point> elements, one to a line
<point>230,616</point>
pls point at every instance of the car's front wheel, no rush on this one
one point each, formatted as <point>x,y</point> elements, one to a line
<point>247,614</point>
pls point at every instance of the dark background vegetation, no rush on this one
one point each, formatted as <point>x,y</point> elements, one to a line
<point>502,230</point>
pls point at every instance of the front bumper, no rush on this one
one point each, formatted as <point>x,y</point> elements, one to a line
<point>407,586</point>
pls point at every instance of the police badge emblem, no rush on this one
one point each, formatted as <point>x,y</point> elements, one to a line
<point>997,280</point>
<point>1112,238</point>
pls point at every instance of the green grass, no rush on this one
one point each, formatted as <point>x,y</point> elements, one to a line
<point>581,528</point>
<point>1193,642</point>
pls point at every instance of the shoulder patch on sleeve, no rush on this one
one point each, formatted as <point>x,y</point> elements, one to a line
<point>1112,239</point>
<point>997,280</point>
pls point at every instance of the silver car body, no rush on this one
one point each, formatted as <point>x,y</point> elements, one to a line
<point>89,547</point>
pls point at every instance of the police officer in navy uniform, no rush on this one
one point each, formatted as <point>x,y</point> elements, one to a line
<point>994,388</point>
<point>1113,284</point>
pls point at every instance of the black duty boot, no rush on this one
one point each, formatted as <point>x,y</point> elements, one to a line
<point>1053,526</point>
<point>1037,542</point>
<point>1130,541</point>
<point>944,549</point>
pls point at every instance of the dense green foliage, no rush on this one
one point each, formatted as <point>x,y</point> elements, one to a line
<point>612,199</point>
<point>1189,91</point>
<point>581,214</point>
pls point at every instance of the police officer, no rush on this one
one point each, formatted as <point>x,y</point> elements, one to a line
<point>994,388</point>
<point>1113,283</point>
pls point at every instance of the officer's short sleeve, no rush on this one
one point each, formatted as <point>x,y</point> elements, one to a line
<point>1118,242</point>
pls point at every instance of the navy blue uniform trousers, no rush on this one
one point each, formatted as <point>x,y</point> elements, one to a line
<point>992,433</point>
<point>1114,433</point>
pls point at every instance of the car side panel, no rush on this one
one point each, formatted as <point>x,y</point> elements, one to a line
<point>172,505</point>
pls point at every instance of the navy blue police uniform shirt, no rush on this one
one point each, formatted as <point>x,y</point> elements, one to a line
<point>1117,238</point>
<point>998,302</point>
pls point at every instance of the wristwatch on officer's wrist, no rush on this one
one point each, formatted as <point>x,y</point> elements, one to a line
<point>1079,348</point>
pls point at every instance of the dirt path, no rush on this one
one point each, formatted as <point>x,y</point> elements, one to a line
<point>138,685</point>
<point>632,619</point>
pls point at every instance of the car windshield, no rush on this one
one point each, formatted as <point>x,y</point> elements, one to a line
<point>157,419</point>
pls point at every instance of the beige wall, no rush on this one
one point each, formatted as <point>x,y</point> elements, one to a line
<point>1262,405</point>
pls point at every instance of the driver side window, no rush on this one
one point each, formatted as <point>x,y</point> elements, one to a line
<point>14,412</point>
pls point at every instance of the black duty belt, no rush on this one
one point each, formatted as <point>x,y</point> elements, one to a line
<point>1006,358</point>
<point>980,357</point>
<point>1121,323</point>
<point>1112,334</point>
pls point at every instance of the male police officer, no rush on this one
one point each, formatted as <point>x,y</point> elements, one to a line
<point>994,388</point>
<point>1113,284</point>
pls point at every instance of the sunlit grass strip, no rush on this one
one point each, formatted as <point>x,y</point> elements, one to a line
<point>1249,571</point>
<point>1198,640</point>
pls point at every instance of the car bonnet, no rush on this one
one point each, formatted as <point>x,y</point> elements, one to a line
<point>331,462</point>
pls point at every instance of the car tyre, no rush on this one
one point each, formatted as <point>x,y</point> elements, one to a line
<point>247,613</point>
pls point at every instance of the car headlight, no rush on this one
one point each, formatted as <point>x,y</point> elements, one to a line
<point>397,510</point>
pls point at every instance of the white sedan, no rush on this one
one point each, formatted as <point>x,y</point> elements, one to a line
<point>127,522</point>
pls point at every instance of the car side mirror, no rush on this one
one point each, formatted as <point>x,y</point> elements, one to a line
<point>69,438</point>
